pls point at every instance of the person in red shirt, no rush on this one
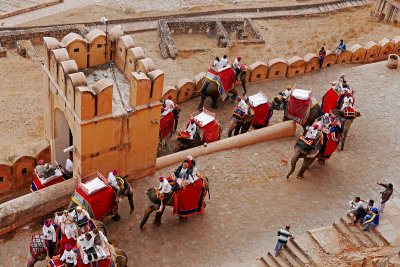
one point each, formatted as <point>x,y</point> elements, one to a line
<point>321,56</point>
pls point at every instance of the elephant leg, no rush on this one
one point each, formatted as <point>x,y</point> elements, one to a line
<point>245,127</point>
<point>146,215</point>
<point>130,199</point>
<point>203,98</point>
<point>306,164</point>
<point>233,126</point>
<point>293,163</point>
<point>30,261</point>
<point>237,128</point>
<point>175,124</point>
<point>343,137</point>
<point>244,86</point>
<point>157,219</point>
<point>214,103</point>
<point>122,258</point>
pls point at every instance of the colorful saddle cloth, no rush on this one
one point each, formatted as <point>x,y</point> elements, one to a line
<point>330,101</point>
<point>190,201</point>
<point>328,145</point>
<point>349,112</point>
<point>225,80</point>
<point>166,127</point>
<point>239,113</point>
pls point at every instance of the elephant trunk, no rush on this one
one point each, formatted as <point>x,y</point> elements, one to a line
<point>148,210</point>
<point>293,163</point>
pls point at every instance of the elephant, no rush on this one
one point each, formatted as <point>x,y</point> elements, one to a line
<point>309,154</point>
<point>121,259</point>
<point>346,123</point>
<point>184,143</point>
<point>279,103</point>
<point>210,88</point>
<point>240,124</point>
<point>168,201</point>
<point>126,192</point>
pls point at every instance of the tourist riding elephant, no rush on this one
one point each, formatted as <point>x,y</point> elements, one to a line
<point>240,124</point>
<point>210,88</point>
<point>185,143</point>
<point>169,201</point>
<point>346,123</point>
<point>126,191</point>
<point>121,259</point>
<point>279,103</point>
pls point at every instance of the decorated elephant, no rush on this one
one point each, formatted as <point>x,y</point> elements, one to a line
<point>210,88</point>
<point>280,103</point>
<point>183,142</point>
<point>346,122</point>
<point>169,199</point>
<point>239,124</point>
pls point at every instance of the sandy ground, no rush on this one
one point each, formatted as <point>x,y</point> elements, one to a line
<point>22,80</point>
<point>250,196</point>
<point>74,11</point>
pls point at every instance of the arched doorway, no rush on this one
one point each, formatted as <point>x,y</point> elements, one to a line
<point>62,137</point>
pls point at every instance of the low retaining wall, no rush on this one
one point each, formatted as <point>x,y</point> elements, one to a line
<point>28,208</point>
<point>280,130</point>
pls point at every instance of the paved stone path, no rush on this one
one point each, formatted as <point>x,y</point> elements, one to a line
<point>250,196</point>
<point>10,8</point>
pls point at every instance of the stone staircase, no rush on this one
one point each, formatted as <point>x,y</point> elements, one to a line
<point>343,245</point>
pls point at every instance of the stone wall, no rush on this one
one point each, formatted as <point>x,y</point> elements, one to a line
<point>280,68</point>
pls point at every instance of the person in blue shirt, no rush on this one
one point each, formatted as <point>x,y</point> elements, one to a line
<point>371,220</point>
<point>340,48</point>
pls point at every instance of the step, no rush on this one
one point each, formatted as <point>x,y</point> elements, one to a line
<point>357,231</point>
<point>260,263</point>
<point>268,261</point>
<point>309,249</point>
<point>344,230</point>
<point>386,231</point>
<point>301,256</point>
<point>329,240</point>
<point>271,260</point>
<point>281,260</point>
<point>289,257</point>
<point>369,239</point>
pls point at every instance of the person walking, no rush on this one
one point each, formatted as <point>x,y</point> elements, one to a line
<point>283,237</point>
<point>321,57</point>
<point>385,195</point>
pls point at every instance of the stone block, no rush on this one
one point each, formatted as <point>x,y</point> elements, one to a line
<point>123,44</point>
<point>77,48</point>
<point>99,47</point>
<point>330,59</point>
<point>157,84</point>
<point>258,71</point>
<point>297,66</point>
<point>56,56</point>
<point>170,91</point>
<point>145,65</point>
<point>140,89</point>
<point>23,162</point>
<point>344,57</point>
<point>396,48</point>
<point>372,51</point>
<point>277,68</point>
<point>115,33</point>
<point>5,178</point>
<point>74,80</point>
<point>133,55</point>
<point>85,102</point>
<point>198,81</point>
<point>65,68</point>
<point>185,89</point>
<point>103,90</point>
<point>358,53</point>
<point>386,49</point>
<point>311,62</point>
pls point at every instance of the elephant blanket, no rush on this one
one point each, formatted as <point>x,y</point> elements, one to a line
<point>225,80</point>
<point>99,204</point>
<point>38,245</point>
<point>190,201</point>
<point>328,145</point>
<point>211,132</point>
<point>330,101</point>
<point>37,185</point>
<point>166,127</point>
<point>262,115</point>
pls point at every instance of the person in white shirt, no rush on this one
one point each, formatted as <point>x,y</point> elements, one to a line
<point>69,256</point>
<point>324,121</point>
<point>81,218</point>
<point>50,235</point>
<point>224,61</point>
<point>236,63</point>
<point>354,204</point>
<point>287,92</point>
<point>191,129</point>
<point>348,101</point>
<point>100,241</point>
<point>69,165</point>
<point>217,63</point>
<point>312,132</point>
<point>68,225</point>
<point>242,105</point>
<point>169,104</point>
<point>112,181</point>
<point>164,188</point>
<point>86,242</point>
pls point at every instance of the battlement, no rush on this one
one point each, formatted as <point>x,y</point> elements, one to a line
<point>104,100</point>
